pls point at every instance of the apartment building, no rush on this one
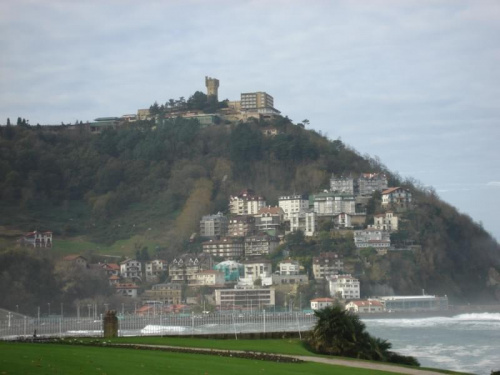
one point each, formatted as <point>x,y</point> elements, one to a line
<point>327,264</point>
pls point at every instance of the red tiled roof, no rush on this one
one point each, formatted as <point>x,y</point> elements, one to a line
<point>390,190</point>
<point>126,286</point>
<point>271,210</point>
<point>325,299</point>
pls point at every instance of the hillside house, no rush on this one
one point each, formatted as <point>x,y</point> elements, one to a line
<point>184,268</point>
<point>331,204</point>
<point>260,244</point>
<point>269,218</point>
<point>37,239</point>
<point>131,269</point>
<point>365,306</point>
<point>396,197</point>
<point>241,226</point>
<point>387,221</point>
<point>344,286</point>
<point>343,185</point>
<point>321,303</point>
<point>155,269</point>
<point>227,248</point>
<point>76,260</point>
<point>126,289</point>
<point>246,203</point>
<point>213,225</point>
<point>293,204</point>
<point>327,264</point>
<point>304,221</point>
<point>210,278</point>
<point>371,182</point>
<point>167,293</point>
<point>375,238</point>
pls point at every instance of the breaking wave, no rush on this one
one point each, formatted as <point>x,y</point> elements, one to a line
<point>488,319</point>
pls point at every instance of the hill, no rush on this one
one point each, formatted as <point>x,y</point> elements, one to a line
<point>146,185</point>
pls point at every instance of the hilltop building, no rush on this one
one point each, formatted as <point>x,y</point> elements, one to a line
<point>212,85</point>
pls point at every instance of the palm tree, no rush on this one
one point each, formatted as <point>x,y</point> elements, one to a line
<point>336,332</point>
<point>339,332</point>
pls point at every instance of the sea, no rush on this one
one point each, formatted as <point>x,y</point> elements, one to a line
<point>467,342</point>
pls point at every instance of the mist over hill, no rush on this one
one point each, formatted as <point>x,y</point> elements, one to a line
<point>154,182</point>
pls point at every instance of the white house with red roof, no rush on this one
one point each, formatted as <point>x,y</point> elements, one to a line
<point>396,196</point>
<point>365,306</point>
<point>37,239</point>
<point>111,269</point>
<point>321,303</point>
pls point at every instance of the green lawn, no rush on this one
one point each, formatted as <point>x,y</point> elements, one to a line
<point>21,358</point>
<point>276,346</point>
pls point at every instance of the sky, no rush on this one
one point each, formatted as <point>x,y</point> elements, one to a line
<point>415,83</point>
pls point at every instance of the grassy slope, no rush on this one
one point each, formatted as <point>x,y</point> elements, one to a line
<point>68,360</point>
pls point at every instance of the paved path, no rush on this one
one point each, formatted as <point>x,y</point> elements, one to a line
<point>328,361</point>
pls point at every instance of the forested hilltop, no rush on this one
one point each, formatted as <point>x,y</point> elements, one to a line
<point>146,186</point>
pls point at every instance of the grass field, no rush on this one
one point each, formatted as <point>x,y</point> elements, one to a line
<point>21,358</point>
<point>275,346</point>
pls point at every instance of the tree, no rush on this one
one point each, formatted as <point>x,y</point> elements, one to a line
<point>339,332</point>
<point>8,121</point>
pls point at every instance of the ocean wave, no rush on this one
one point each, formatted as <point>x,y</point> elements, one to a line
<point>477,319</point>
<point>155,329</point>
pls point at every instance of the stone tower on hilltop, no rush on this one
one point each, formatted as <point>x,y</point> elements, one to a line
<point>212,87</point>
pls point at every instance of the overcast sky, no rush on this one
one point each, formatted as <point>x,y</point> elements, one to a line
<point>416,83</point>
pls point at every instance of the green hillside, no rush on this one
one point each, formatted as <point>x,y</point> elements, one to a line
<point>147,186</point>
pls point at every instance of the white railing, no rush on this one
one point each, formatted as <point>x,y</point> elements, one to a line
<point>12,327</point>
